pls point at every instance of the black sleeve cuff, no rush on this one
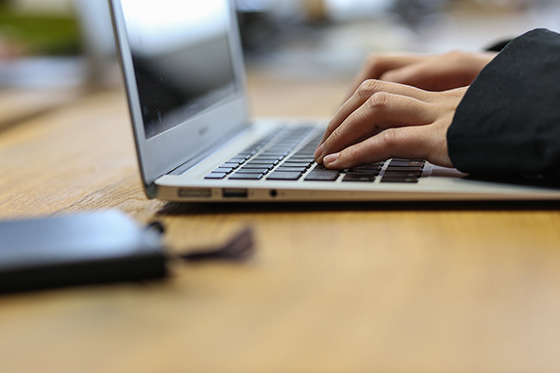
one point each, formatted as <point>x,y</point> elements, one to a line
<point>508,123</point>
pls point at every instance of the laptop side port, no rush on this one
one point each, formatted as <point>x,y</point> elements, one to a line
<point>235,193</point>
<point>194,193</point>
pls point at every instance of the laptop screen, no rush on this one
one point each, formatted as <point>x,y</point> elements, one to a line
<point>181,56</point>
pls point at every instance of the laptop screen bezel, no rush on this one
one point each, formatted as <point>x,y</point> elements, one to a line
<point>164,152</point>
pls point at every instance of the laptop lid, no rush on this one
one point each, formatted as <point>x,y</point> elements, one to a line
<point>183,70</point>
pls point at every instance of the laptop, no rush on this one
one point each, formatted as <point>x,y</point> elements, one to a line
<point>184,74</point>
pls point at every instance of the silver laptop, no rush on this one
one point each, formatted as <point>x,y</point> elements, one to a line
<point>184,74</point>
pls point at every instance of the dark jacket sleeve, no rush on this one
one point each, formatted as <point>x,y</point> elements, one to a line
<point>498,46</point>
<point>508,122</point>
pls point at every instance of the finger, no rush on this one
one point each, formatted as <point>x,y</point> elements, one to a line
<point>379,112</point>
<point>419,75</point>
<point>439,73</point>
<point>423,142</point>
<point>363,93</point>
<point>378,64</point>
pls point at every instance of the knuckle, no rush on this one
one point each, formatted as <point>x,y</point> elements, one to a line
<point>378,100</point>
<point>389,138</point>
<point>368,88</point>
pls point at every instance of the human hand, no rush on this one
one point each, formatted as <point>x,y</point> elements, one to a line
<point>388,120</point>
<point>439,72</point>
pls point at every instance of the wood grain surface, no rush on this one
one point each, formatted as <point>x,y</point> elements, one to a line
<point>332,288</point>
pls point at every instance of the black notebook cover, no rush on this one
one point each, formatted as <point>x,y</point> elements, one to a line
<point>97,247</point>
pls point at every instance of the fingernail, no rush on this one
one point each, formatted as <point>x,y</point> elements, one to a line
<point>331,158</point>
<point>319,151</point>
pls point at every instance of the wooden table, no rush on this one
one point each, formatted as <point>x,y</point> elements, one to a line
<point>333,287</point>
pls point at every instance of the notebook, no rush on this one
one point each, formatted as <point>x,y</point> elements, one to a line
<point>184,74</point>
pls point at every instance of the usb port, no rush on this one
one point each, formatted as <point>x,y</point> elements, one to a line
<point>195,193</point>
<point>235,193</point>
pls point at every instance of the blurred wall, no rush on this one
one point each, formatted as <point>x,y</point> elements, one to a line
<point>58,6</point>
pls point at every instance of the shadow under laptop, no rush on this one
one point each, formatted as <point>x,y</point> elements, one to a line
<point>176,209</point>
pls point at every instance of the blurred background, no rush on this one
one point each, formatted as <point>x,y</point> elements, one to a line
<point>53,44</point>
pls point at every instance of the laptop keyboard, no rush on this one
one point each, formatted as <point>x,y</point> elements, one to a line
<point>279,156</point>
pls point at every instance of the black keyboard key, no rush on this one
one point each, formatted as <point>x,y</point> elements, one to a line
<point>216,175</point>
<point>276,152</point>
<point>307,153</point>
<point>295,164</point>
<point>300,160</point>
<point>256,166</point>
<point>359,178</point>
<point>407,160</point>
<point>295,158</point>
<point>230,165</point>
<point>263,162</point>
<point>363,172</point>
<point>291,169</point>
<point>401,174</point>
<point>375,166</point>
<point>223,170</point>
<point>236,159</point>
<point>266,158</point>
<point>319,167</point>
<point>245,176</point>
<point>245,170</point>
<point>406,164</point>
<point>403,169</point>
<point>399,180</point>
<point>322,175</point>
<point>279,175</point>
